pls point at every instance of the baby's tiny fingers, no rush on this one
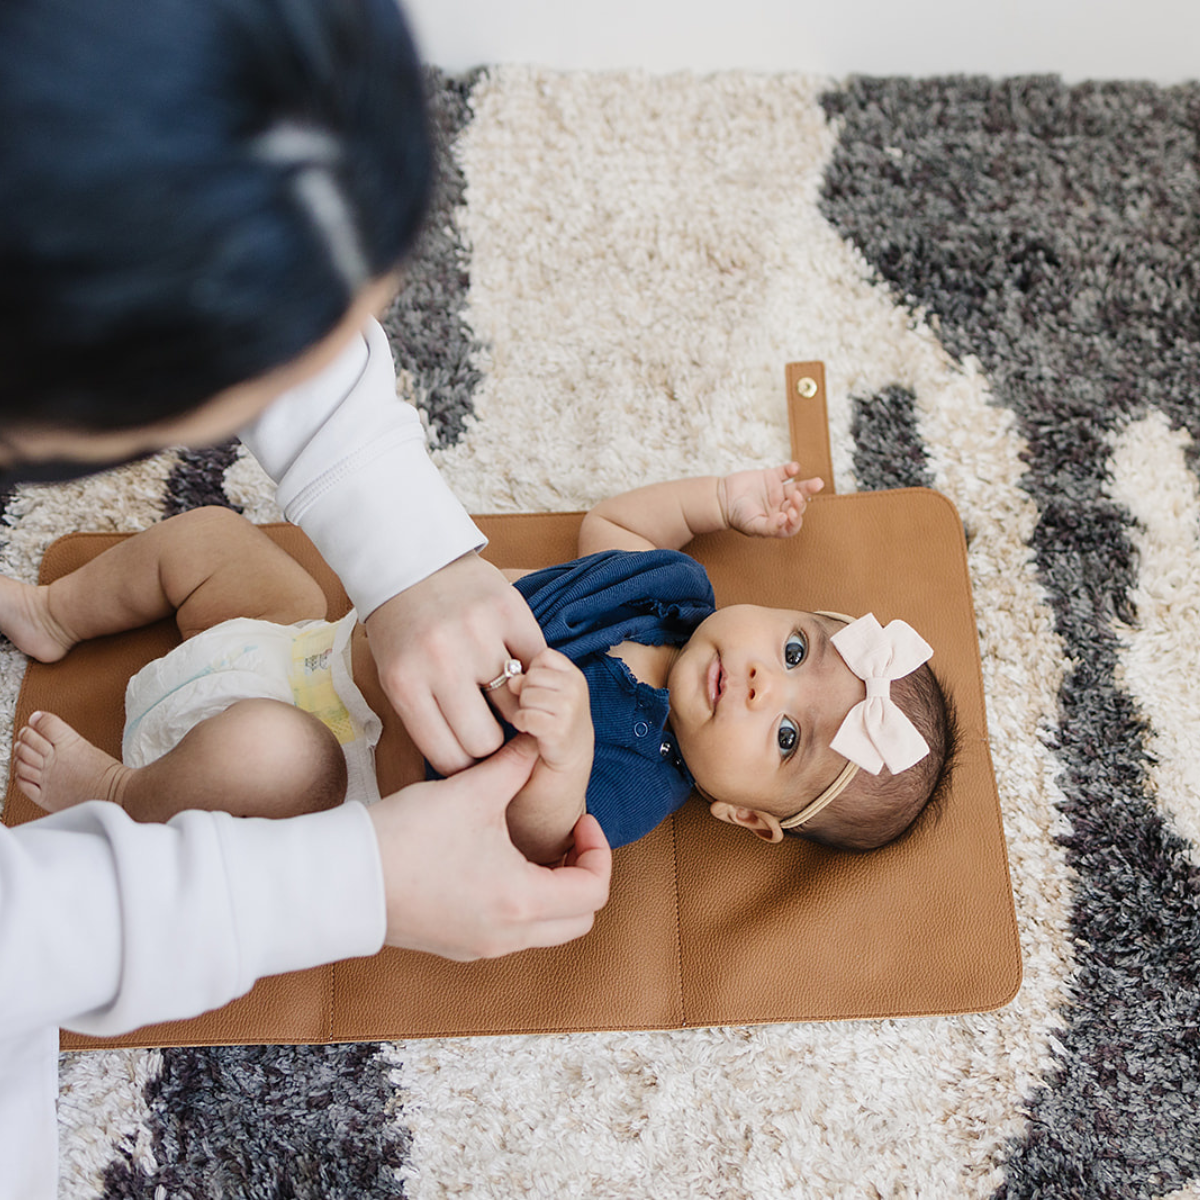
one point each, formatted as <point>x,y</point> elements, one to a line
<point>537,689</point>
<point>549,659</point>
<point>549,698</point>
<point>544,728</point>
<point>532,720</point>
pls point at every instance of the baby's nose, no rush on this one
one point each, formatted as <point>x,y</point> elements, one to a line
<point>761,685</point>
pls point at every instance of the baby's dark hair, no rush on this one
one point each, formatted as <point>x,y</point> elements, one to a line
<point>192,194</point>
<point>877,809</point>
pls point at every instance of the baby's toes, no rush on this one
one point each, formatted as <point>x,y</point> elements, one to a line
<point>34,742</point>
<point>32,748</point>
<point>30,771</point>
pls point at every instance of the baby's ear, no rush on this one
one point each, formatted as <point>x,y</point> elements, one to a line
<point>762,825</point>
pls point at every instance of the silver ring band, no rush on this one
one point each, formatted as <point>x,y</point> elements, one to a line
<point>512,668</point>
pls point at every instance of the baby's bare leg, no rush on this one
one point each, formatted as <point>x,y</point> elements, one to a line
<point>203,566</point>
<point>258,758</point>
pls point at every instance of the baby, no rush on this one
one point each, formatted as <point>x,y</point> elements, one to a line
<point>786,723</point>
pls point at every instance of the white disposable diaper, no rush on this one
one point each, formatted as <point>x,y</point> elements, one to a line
<point>306,665</point>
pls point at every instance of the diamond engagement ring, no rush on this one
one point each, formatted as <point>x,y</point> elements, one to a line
<point>512,668</point>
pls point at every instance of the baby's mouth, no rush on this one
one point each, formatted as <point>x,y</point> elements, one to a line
<point>716,682</point>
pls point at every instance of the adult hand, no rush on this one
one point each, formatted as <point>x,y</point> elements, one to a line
<point>437,642</point>
<point>456,885</point>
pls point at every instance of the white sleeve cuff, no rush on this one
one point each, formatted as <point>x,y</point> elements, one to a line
<point>350,461</point>
<point>304,891</point>
<point>384,519</point>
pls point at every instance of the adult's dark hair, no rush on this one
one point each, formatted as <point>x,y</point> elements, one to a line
<point>192,192</point>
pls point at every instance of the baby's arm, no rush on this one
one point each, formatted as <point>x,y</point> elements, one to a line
<point>666,516</point>
<point>554,709</point>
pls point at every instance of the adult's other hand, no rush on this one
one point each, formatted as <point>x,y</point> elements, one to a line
<point>457,887</point>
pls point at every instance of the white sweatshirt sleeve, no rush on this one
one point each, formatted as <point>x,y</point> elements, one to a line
<point>106,925</point>
<point>350,462</point>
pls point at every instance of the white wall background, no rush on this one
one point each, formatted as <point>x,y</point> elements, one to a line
<point>1078,39</point>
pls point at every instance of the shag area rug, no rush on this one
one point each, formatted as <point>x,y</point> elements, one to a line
<point>1003,279</point>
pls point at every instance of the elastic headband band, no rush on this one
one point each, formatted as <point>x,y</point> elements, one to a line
<point>836,616</point>
<point>827,797</point>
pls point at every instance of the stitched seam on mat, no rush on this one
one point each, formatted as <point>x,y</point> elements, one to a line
<point>683,1017</point>
<point>333,994</point>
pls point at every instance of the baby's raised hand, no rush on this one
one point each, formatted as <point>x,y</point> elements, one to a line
<point>766,503</point>
<point>554,709</point>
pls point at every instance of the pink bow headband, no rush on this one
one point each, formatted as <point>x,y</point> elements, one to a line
<point>875,732</point>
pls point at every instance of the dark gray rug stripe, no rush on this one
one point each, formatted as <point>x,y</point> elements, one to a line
<point>888,451</point>
<point>424,323</point>
<point>269,1123</point>
<point>198,478</point>
<point>1053,231</point>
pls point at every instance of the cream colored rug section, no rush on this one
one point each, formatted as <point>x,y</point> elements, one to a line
<point>1161,651</point>
<point>621,266</point>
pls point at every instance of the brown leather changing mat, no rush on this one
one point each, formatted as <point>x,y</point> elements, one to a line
<point>706,925</point>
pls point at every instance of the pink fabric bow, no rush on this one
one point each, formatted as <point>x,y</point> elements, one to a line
<point>876,732</point>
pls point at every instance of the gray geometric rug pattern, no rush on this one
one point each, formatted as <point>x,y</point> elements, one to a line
<point>1053,231</point>
<point>1002,277</point>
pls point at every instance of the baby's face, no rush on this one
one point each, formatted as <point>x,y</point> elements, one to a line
<point>757,695</point>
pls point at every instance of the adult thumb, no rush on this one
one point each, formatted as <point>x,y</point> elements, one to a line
<point>499,778</point>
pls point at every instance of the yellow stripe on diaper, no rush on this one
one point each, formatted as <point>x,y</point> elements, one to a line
<point>311,680</point>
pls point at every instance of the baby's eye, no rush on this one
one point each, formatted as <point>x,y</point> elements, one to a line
<point>795,649</point>
<point>787,736</point>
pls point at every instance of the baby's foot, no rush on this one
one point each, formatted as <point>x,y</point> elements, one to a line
<point>26,621</point>
<point>57,768</point>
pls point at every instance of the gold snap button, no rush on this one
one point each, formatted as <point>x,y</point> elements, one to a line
<point>806,385</point>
